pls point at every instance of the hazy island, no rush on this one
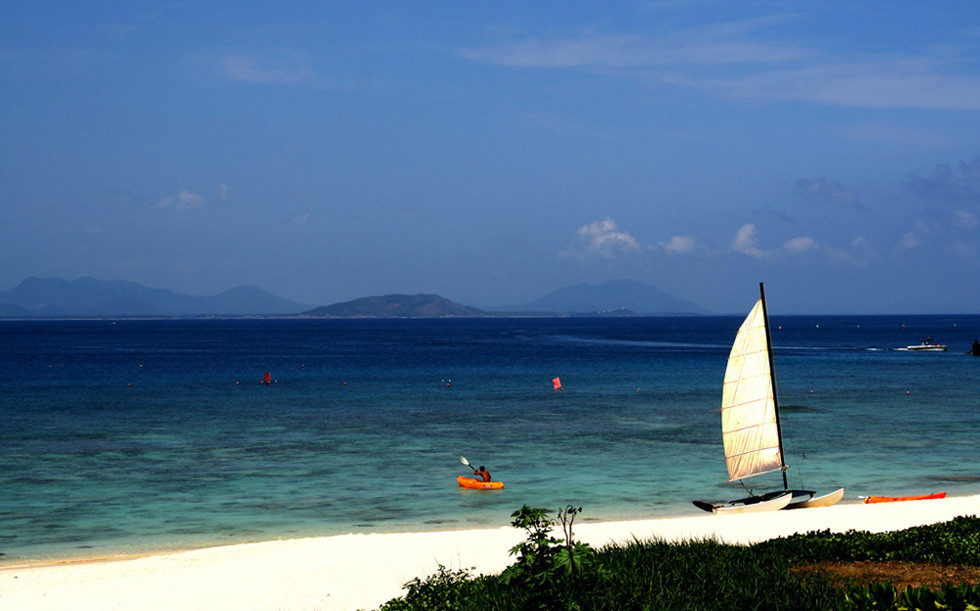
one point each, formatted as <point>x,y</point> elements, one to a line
<point>92,298</point>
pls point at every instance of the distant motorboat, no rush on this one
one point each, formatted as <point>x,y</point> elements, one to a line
<point>927,346</point>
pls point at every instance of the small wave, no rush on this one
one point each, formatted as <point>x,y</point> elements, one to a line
<point>797,408</point>
<point>634,342</point>
<point>778,348</point>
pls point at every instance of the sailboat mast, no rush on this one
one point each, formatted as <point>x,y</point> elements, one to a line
<point>772,381</point>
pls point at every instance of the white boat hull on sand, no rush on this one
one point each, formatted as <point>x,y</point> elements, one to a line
<point>771,505</point>
<point>821,501</point>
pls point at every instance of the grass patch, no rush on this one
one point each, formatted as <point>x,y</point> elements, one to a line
<point>788,573</point>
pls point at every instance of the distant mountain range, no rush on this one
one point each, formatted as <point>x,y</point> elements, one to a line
<point>91,298</point>
<point>396,306</point>
<point>88,297</point>
<point>610,297</point>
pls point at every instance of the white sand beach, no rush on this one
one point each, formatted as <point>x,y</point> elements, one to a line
<point>350,572</point>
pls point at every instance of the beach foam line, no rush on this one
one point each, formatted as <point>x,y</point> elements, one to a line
<point>362,571</point>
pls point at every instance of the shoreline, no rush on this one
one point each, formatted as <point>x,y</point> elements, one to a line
<point>156,545</point>
<point>362,571</point>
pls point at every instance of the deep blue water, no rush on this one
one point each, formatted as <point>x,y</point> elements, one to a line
<point>136,435</point>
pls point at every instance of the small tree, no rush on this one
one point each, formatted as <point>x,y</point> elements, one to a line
<point>573,558</point>
<point>535,555</point>
<point>542,559</point>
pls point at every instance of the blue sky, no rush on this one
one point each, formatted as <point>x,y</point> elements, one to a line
<point>491,152</point>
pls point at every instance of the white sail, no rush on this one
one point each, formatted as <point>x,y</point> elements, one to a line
<point>748,411</point>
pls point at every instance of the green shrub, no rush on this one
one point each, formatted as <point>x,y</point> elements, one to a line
<point>549,570</point>
<point>555,573</point>
<point>884,597</point>
<point>544,560</point>
<point>446,589</point>
<point>953,542</point>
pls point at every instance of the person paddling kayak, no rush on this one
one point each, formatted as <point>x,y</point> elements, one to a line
<point>480,479</point>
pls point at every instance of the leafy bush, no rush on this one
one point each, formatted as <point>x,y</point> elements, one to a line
<point>548,569</point>
<point>535,555</point>
<point>884,597</point>
<point>543,560</point>
<point>953,542</point>
<point>445,589</point>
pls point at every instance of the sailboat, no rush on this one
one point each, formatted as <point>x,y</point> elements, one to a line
<point>750,421</point>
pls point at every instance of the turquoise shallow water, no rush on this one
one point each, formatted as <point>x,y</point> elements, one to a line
<point>133,436</point>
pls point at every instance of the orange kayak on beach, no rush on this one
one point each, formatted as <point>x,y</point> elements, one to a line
<point>477,484</point>
<point>892,499</point>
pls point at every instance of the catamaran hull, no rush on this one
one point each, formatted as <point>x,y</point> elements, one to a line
<point>798,499</point>
<point>821,501</point>
<point>751,504</point>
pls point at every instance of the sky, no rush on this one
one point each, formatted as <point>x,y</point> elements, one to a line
<point>492,152</point>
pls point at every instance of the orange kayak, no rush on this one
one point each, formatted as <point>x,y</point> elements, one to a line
<point>892,499</point>
<point>478,484</point>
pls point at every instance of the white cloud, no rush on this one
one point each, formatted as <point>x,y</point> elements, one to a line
<point>714,45</point>
<point>745,242</point>
<point>605,239</point>
<point>185,200</point>
<point>890,82</point>
<point>223,192</point>
<point>909,240</point>
<point>863,251</point>
<point>757,65</point>
<point>965,219</point>
<point>828,190</point>
<point>860,253</point>
<point>288,67</point>
<point>798,246</point>
<point>965,250</point>
<point>678,244</point>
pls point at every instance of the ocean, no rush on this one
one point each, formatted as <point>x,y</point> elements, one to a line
<point>133,436</point>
